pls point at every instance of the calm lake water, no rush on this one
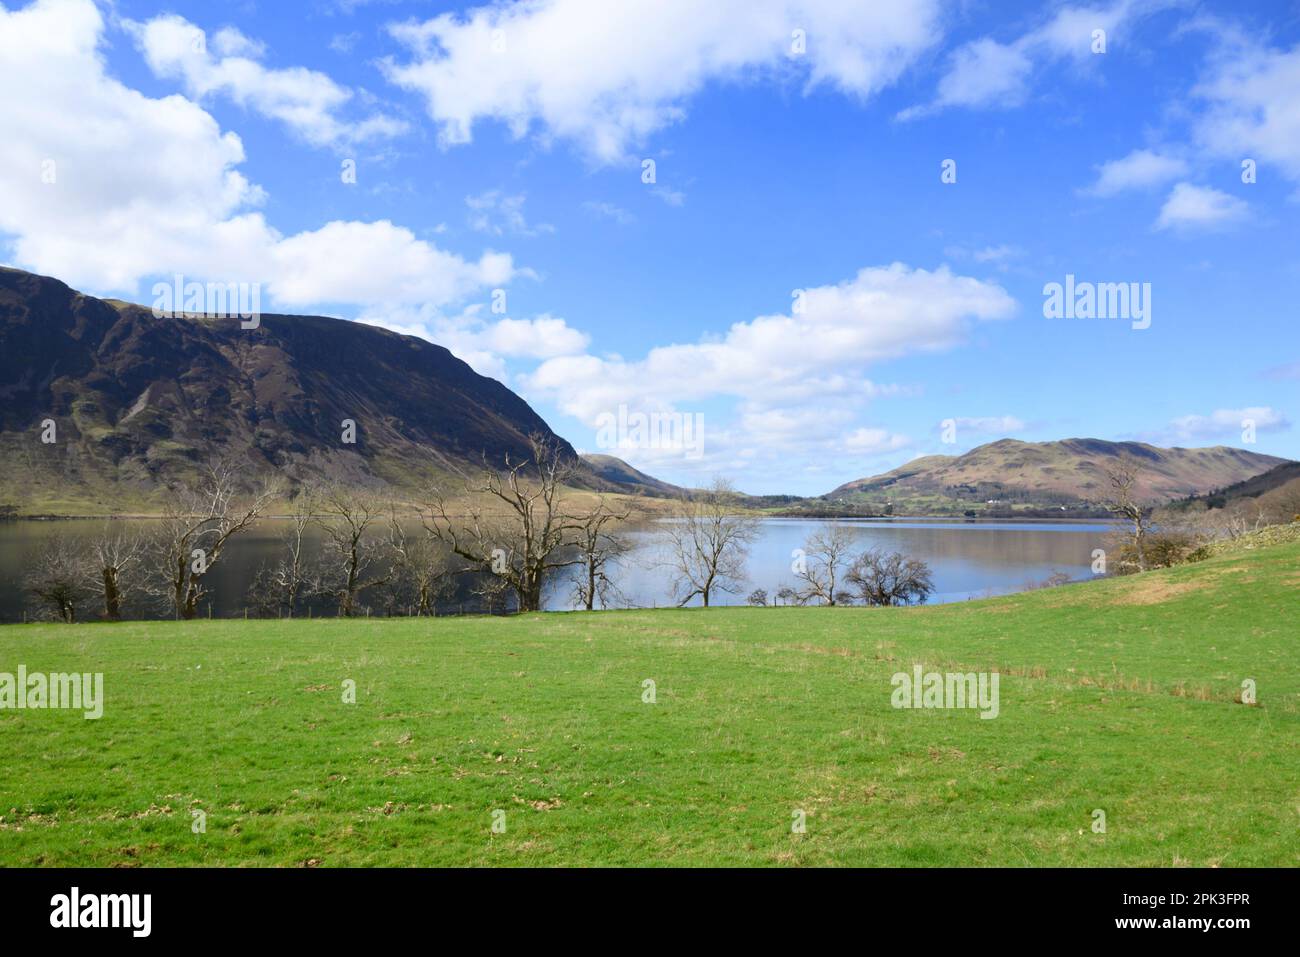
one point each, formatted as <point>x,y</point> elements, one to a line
<point>969,559</point>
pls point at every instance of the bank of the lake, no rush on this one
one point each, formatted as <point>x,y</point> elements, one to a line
<point>970,559</point>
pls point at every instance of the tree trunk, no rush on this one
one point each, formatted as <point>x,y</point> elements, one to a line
<point>112,598</point>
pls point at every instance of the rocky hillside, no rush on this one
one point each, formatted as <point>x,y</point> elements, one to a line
<point>1071,472</point>
<point>137,400</point>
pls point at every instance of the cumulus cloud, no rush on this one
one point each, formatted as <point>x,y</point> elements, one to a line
<point>1252,107</point>
<point>103,186</point>
<point>606,75</point>
<point>1192,207</point>
<point>376,262</point>
<point>1225,422</point>
<point>796,380</point>
<point>990,424</point>
<point>987,73</point>
<point>870,442</point>
<point>306,101</point>
<point>883,312</point>
<point>1138,170</point>
<point>484,343</point>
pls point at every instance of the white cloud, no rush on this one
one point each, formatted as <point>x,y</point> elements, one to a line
<point>1137,170</point>
<point>1199,207</point>
<point>608,74</point>
<point>673,197</point>
<point>989,73</point>
<point>484,343</point>
<point>497,213</point>
<point>990,424</point>
<point>1224,422</point>
<point>882,313</point>
<point>228,41</point>
<point>875,441</point>
<point>149,187</point>
<point>1253,110</point>
<point>983,72</point>
<point>376,263</point>
<point>344,42</point>
<point>796,382</point>
<point>306,101</point>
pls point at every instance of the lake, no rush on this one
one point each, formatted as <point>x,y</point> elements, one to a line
<point>969,559</point>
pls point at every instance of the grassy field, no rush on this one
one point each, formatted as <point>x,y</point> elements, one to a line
<point>1115,695</point>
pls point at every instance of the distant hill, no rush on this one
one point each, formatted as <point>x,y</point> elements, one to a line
<point>625,478</point>
<point>139,400</point>
<point>1285,475</point>
<point>1274,489</point>
<point>1071,473</point>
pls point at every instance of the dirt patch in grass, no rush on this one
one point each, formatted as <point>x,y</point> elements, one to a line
<point>1155,592</point>
<point>823,650</point>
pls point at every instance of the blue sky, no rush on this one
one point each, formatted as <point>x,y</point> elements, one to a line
<point>503,148</point>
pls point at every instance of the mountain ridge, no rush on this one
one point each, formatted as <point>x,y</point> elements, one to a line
<point>1065,472</point>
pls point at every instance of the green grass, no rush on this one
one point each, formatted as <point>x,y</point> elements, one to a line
<point>1116,695</point>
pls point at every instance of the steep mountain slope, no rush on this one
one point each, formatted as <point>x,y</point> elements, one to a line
<point>1286,475</point>
<point>625,478</point>
<point>1070,472</point>
<point>138,400</point>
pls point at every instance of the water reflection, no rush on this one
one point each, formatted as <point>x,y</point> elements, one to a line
<point>969,559</point>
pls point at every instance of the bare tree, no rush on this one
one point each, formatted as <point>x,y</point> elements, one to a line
<point>421,571</point>
<point>279,586</point>
<point>708,542</point>
<point>1122,476</point>
<point>198,521</point>
<point>890,578</point>
<point>516,527</point>
<point>598,543</point>
<point>825,560</point>
<point>111,555</point>
<point>353,554</point>
<point>58,580</point>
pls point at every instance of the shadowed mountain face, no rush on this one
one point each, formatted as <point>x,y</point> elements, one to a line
<point>1068,472</point>
<point>138,400</point>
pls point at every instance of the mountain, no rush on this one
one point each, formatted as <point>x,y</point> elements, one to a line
<point>625,478</point>
<point>138,400</point>
<point>1284,476</point>
<point>1071,473</point>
